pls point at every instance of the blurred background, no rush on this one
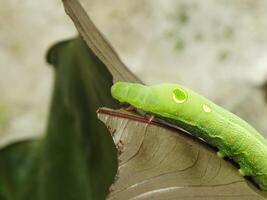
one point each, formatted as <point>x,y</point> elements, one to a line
<point>217,48</point>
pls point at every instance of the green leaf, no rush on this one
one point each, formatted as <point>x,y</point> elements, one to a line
<point>85,157</point>
<point>19,166</point>
<point>76,159</point>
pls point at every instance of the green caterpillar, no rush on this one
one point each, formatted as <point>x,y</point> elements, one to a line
<point>234,137</point>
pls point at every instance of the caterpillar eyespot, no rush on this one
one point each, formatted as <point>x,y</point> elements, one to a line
<point>179,95</point>
<point>198,115</point>
<point>206,108</point>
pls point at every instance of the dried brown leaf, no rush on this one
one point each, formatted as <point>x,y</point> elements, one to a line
<point>97,42</point>
<point>161,162</point>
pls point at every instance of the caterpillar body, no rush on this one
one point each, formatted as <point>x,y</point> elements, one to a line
<point>234,137</point>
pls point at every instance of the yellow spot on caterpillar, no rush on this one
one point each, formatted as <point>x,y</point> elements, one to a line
<point>179,95</point>
<point>206,108</point>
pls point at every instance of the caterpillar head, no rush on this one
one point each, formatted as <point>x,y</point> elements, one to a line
<point>166,100</point>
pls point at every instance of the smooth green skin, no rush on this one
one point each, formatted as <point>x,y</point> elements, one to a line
<point>234,137</point>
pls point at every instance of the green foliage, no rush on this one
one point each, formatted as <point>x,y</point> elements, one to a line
<point>76,159</point>
<point>19,170</point>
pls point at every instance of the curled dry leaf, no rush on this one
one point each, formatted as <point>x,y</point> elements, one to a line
<point>158,161</point>
<point>97,42</point>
